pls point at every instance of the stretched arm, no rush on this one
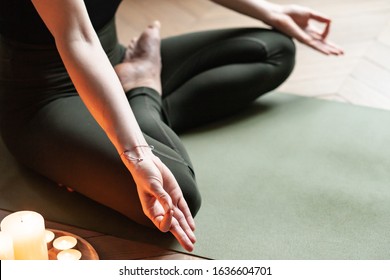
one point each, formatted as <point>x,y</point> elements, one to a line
<point>100,89</point>
<point>293,20</point>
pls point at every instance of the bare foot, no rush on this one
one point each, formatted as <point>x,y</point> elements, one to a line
<point>141,66</point>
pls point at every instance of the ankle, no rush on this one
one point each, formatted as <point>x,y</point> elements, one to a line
<point>148,83</point>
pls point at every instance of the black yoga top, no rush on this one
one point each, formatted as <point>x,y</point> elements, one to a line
<point>19,21</point>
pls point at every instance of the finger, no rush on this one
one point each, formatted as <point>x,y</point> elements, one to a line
<point>166,223</point>
<point>335,51</point>
<point>325,48</point>
<point>314,34</point>
<point>182,212</point>
<point>181,236</point>
<point>157,215</point>
<point>179,216</point>
<point>315,44</point>
<point>293,30</point>
<point>319,34</point>
<point>326,31</point>
<point>183,206</point>
<point>321,42</point>
<point>319,17</point>
<point>181,224</point>
<point>308,38</point>
<point>160,211</point>
<point>160,194</point>
<point>180,201</point>
<point>330,48</point>
<point>165,200</point>
<point>163,221</point>
<point>335,47</point>
<point>324,19</point>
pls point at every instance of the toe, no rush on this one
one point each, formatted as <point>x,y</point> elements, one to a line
<point>155,24</point>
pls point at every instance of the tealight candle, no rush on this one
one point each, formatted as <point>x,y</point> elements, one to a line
<point>6,247</point>
<point>49,236</point>
<point>27,229</point>
<point>64,242</point>
<point>69,254</point>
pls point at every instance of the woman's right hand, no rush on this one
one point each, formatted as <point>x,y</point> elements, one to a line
<point>162,199</point>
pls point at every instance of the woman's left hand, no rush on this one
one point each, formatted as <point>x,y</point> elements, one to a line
<point>298,22</point>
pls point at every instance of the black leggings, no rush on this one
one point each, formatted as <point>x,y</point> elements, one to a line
<point>205,77</point>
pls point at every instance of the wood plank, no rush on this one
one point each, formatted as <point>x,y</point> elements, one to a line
<point>113,248</point>
<point>378,53</point>
<point>373,75</point>
<point>384,36</point>
<point>356,92</point>
<point>313,87</point>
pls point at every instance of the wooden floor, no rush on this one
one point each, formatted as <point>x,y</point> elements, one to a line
<point>362,27</point>
<point>360,77</point>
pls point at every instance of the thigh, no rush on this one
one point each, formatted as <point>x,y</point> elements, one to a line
<point>64,143</point>
<point>185,56</point>
<point>219,72</point>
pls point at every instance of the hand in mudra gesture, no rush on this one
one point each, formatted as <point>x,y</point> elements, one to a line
<point>302,23</point>
<point>162,199</point>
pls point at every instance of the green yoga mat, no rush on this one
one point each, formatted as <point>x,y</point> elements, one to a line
<point>290,178</point>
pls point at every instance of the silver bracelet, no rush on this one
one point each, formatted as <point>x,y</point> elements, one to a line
<point>137,159</point>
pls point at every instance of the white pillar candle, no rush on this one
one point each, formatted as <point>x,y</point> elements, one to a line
<point>27,229</point>
<point>6,247</point>
<point>69,255</point>
<point>64,242</point>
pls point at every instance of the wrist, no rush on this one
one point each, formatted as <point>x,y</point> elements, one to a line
<point>269,13</point>
<point>138,153</point>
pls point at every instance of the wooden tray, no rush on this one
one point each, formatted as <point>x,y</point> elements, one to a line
<point>86,249</point>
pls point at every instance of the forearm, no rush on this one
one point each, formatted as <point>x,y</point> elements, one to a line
<point>257,9</point>
<point>101,91</point>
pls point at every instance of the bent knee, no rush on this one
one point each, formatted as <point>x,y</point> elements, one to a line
<point>279,52</point>
<point>194,200</point>
<point>189,187</point>
<point>192,195</point>
<point>283,52</point>
<point>289,52</point>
